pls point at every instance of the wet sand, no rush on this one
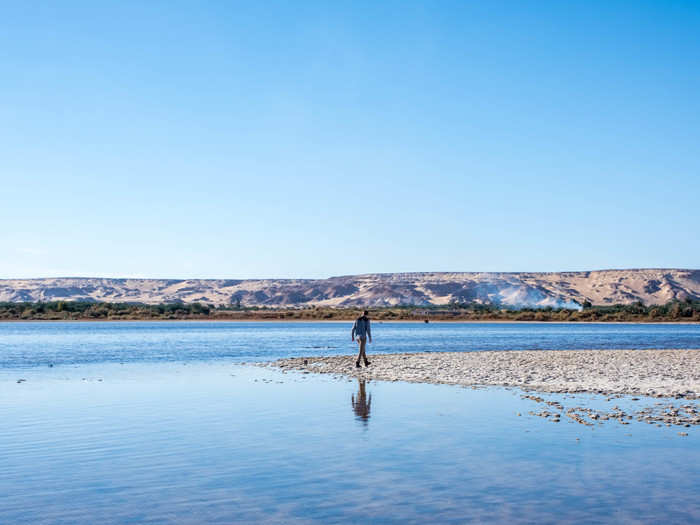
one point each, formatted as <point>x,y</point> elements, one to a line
<point>655,373</point>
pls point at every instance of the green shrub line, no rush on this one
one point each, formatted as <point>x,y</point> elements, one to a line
<point>674,311</point>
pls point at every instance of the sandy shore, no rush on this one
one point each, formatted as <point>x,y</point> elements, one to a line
<point>657,373</point>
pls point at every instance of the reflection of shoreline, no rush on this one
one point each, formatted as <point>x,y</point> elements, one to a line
<point>361,403</point>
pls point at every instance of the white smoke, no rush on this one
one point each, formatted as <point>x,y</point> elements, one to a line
<point>526,297</point>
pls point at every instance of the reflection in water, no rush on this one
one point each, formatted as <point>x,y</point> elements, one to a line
<point>361,403</point>
<point>288,453</point>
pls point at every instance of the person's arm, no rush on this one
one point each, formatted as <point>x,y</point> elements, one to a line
<point>354,329</point>
<point>369,330</point>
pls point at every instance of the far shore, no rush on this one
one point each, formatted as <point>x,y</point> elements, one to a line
<point>344,321</point>
<point>687,311</point>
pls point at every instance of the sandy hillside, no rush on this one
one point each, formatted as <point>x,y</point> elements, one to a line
<point>653,286</point>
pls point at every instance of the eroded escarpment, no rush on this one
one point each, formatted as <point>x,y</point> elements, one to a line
<point>514,290</point>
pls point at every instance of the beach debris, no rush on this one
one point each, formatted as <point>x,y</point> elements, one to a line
<point>668,414</point>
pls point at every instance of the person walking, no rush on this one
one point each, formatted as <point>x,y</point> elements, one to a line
<point>362,330</point>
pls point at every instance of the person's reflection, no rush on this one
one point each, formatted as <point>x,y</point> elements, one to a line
<point>361,402</point>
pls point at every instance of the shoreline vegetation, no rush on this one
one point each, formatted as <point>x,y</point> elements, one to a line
<point>687,311</point>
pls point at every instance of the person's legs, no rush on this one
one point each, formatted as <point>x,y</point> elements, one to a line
<point>363,348</point>
<point>361,342</point>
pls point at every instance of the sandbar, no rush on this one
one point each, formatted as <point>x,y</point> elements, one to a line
<point>654,373</point>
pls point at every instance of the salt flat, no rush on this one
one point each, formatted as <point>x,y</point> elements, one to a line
<point>657,373</point>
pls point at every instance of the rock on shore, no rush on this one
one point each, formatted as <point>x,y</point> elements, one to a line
<point>656,373</point>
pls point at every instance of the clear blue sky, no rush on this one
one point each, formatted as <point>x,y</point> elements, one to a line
<point>310,139</point>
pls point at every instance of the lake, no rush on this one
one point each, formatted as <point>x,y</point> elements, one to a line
<point>29,344</point>
<point>161,423</point>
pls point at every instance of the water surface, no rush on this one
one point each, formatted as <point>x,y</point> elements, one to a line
<point>28,344</point>
<point>161,423</point>
<point>223,443</point>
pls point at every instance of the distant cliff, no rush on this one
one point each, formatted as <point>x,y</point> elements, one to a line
<point>561,289</point>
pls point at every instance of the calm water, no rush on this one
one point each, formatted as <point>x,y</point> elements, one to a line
<point>182,433</point>
<point>40,344</point>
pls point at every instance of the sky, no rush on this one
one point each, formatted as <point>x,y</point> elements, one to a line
<point>309,139</point>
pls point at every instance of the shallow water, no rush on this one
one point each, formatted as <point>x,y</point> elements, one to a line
<point>181,432</point>
<point>29,344</point>
<point>223,443</point>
